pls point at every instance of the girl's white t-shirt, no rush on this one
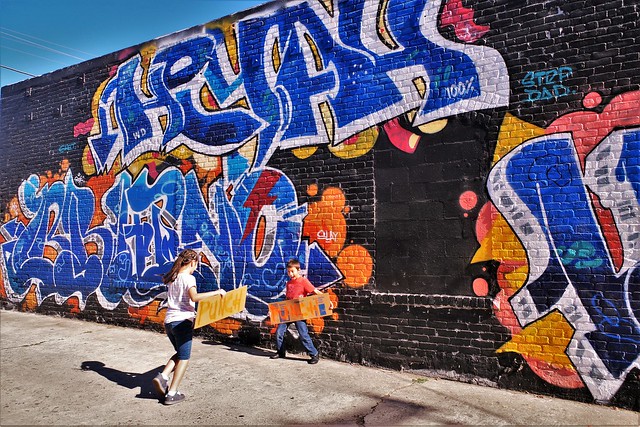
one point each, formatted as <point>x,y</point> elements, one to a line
<point>179,305</point>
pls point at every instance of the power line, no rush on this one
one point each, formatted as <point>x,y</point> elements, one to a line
<point>23,40</point>
<point>17,71</point>
<point>44,40</point>
<point>36,56</point>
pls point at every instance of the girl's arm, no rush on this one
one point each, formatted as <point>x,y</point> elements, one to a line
<point>199,296</point>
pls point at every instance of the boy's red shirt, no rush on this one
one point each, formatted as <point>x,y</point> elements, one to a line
<point>299,287</point>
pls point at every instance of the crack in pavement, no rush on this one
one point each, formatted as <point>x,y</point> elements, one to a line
<point>360,419</point>
<point>30,345</point>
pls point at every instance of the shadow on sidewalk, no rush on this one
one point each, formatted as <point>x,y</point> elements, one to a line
<point>129,380</point>
<point>259,352</point>
<point>253,351</point>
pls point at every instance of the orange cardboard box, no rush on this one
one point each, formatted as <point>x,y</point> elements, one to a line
<point>300,309</point>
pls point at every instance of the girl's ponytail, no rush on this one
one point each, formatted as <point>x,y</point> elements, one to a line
<point>184,258</point>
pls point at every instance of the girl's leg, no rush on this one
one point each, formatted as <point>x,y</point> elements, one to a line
<point>182,338</point>
<point>169,367</point>
<point>178,374</point>
<point>160,382</point>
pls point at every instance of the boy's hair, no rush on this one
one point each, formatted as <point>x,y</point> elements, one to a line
<point>293,263</point>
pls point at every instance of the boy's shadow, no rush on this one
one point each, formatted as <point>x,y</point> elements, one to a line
<point>126,379</point>
<point>240,348</point>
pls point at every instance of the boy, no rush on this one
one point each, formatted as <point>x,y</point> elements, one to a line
<point>297,287</point>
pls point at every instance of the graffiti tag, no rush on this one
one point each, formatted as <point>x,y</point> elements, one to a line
<point>548,84</point>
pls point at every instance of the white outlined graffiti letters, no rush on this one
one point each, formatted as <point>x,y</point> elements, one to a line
<point>298,82</point>
<point>146,226</point>
<point>540,186</point>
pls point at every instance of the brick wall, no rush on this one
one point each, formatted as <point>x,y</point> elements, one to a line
<point>462,177</point>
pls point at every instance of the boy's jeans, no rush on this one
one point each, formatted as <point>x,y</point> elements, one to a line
<point>301,326</point>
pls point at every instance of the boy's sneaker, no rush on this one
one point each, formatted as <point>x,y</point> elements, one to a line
<point>160,385</point>
<point>314,359</point>
<point>278,356</point>
<point>176,398</point>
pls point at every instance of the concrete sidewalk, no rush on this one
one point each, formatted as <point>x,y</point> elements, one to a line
<point>63,371</point>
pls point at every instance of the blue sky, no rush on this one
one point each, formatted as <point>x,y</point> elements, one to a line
<point>40,36</point>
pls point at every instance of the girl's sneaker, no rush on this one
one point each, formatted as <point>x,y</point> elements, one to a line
<point>160,385</point>
<point>171,400</point>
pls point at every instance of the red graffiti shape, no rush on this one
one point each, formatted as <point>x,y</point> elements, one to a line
<point>259,197</point>
<point>461,19</point>
<point>588,129</point>
<point>83,128</point>
<point>403,139</point>
<point>153,170</point>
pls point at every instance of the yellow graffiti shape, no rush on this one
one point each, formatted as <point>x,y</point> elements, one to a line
<point>501,244</point>
<point>353,147</point>
<point>434,126</point>
<point>304,152</point>
<point>545,339</point>
<point>248,149</point>
<point>514,132</point>
<point>543,344</point>
<point>382,26</point>
<point>147,52</point>
<point>145,160</point>
<point>230,40</point>
<point>88,165</point>
<point>356,146</point>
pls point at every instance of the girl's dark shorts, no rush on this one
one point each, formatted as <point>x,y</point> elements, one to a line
<point>180,334</point>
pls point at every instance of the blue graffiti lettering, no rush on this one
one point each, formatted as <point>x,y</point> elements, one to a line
<point>146,226</point>
<point>300,70</point>
<point>187,120</point>
<point>568,256</point>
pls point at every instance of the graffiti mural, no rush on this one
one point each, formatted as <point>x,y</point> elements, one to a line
<point>551,199</point>
<point>137,242</point>
<point>319,59</point>
<point>417,149</point>
<point>562,193</point>
<point>198,96</point>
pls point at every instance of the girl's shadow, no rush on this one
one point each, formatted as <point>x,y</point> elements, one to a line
<point>129,380</point>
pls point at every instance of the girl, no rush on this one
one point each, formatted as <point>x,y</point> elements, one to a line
<point>182,296</point>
